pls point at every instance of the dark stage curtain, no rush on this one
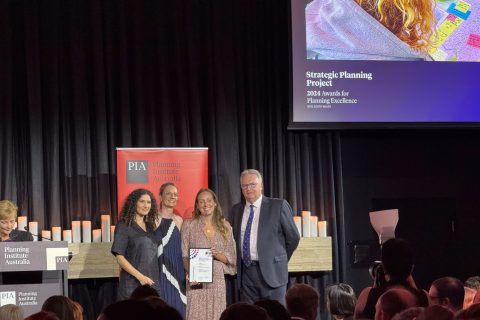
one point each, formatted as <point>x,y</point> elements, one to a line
<point>82,77</point>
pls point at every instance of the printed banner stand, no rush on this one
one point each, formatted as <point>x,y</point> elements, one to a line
<point>149,168</point>
<point>31,272</point>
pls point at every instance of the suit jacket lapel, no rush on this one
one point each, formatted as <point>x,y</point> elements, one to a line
<point>263,222</point>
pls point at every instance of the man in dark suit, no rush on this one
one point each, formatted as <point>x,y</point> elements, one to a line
<point>266,237</point>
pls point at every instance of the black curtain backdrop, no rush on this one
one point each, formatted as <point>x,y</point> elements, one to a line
<point>82,77</point>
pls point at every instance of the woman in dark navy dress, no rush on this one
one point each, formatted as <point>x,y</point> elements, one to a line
<point>170,263</point>
<point>134,245</point>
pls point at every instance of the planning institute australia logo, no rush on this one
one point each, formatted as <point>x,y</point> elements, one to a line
<point>8,297</point>
<point>137,171</point>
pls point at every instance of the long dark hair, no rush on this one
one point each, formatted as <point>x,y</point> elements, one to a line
<point>61,306</point>
<point>218,217</point>
<point>129,209</point>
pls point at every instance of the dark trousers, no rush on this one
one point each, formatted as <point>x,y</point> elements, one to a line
<point>254,288</point>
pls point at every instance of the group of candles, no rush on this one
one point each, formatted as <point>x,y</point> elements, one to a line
<point>81,231</point>
<point>309,226</point>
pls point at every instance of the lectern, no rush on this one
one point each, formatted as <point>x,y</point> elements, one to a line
<point>31,272</point>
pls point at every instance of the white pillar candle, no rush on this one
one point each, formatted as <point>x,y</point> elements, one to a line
<point>87,231</point>
<point>313,226</point>
<point>22,223</point>
<point>298,224</point>
<point>76,232</point>
<point>306,223</point>
<point>56,233</point>
<point>67,236</point>
<point>97,235</point>
<point>322,228</point>
<point>33,229</point>
<point>46,235</point>
<point>112,233</point>
<point>105,227</point>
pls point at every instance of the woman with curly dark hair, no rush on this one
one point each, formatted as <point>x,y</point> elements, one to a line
<point>134,245</point>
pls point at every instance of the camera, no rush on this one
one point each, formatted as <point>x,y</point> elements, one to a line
<point>377,273</point>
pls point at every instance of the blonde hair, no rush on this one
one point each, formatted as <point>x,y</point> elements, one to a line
<point>412,21</point>
<point>8,210</point>
<point>11,312</point>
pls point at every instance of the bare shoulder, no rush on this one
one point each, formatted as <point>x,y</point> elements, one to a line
<point>178,221</point>
<point>361,301</point>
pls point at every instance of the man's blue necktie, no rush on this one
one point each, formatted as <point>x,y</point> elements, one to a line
<point>247,260</point>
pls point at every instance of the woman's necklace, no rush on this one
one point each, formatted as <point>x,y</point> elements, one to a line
<point>209,231</point>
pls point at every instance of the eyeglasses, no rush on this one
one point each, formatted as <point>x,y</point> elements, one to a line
<point>171,195</point>
<point>249,186</point>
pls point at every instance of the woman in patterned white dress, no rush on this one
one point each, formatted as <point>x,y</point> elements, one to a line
<point>208,229</point>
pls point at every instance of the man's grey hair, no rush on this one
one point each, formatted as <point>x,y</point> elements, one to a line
<point>252,171</point>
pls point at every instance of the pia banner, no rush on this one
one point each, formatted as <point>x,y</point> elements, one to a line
<point>149,168</point>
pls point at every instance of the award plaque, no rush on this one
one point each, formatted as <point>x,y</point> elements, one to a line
<point>201,265</point>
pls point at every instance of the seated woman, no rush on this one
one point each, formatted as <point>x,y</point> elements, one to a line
<point>8,222</point>
<point>11,312</point>
<point>397,263</point>
<point>369,29</point>
<point>341,301</point>
<point>61,306</point>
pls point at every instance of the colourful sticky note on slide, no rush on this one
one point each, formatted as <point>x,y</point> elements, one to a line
<point>459,13</point>
<point>462,6</point>
<point>444,31</point>
<point>439,55</point>
<point>451,17</point>
<point>474,40</point>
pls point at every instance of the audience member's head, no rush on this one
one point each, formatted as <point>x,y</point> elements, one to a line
<point>436,312</point>
<point>242,311</point>
<point>340,300</point>
<point>275,309</point>
<point>448,292</point>
<point>471,313</point>
<point>129,309</point>
<point>156,302</point>
<point>473,282</point>
<point>392,302</point>
<point>408,314</point>
<point>302,301</point>
<point>43,315</point>
<point>397,259</point>
<point>61,306</point>
<point>469,297</point>
<point>477,297</point>
<point>77,310</point>
<point>472,287</point>
<point>162,309</point>
<point>11,312</point>
<point>144,291</point>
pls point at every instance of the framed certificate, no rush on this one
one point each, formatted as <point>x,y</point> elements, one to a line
<point>201,265</point>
